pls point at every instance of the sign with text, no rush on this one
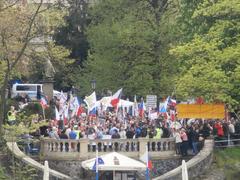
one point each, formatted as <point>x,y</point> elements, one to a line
<point>206,111</point>
<point>151,101</point>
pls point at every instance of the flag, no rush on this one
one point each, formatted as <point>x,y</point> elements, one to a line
<point>93,112</point>
<point>153,115</point>
<point>163,109</point>
<point>62,99</point>
<point>91,101</point>
<point>115,98</point>
<point>199,100</point>
<point>75,106</point>
<point>74,103</point>
<point>136,112</point>
<point>172,114</point>
<point>43,102</point>
<point>80,111</point>
<point>100,161</point>
<point>57,115</point>
<point>141,108</point>
<point>172,102</point>
<point>96,163</point>
<point>145,158</point>
<point>65,114</point>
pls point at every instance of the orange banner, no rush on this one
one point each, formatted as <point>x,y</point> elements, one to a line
<point>206,111</point>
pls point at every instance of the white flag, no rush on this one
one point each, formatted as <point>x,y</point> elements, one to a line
<point>91,101</point>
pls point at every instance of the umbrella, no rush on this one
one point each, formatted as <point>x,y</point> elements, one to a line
<point>176,125</point>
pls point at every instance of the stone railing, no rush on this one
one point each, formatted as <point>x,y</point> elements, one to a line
<point>13,147</point>
<point>196,166</point>
<point>65,149</point>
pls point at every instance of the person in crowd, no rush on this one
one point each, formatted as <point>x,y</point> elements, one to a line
<point>184,142</point>
<point>194,135</point>
<point>11,116</point>
<point>53,133</point>
<point>158,133</point>
<point>178,141</point>
<point>116,135</point>
<point>138,131</point>
<point>72,134</point>
<point>205,130</point>
<point>63,134</point>
<point>219,128</point>
<point>122,133</point>
<point>231,128</point>
<point>130,133</point>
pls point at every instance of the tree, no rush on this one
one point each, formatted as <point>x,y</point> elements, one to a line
<point>16,32</point>
<point>129,47</point>
<point>72,34</point>
<point>209,58</point>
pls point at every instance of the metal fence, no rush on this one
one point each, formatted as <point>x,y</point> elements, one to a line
<point>225,142</point>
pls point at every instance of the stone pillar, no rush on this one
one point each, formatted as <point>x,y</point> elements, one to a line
<point>42,148</point>
<point>142,146</point>
<point>83,148</point>
<point>48,88</point>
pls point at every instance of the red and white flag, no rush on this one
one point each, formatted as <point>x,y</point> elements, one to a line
<point>116,98</point>
<point>172,114</point>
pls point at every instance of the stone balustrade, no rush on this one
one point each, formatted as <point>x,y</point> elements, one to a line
<point>66,149</point>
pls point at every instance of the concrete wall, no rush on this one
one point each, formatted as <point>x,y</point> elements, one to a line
<point>196,166</point>
<point>161,167</point>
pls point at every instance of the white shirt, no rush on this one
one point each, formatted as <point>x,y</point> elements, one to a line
<point>231,128</point>
<point>178,138</point>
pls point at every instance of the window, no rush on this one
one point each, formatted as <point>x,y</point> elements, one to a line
<point>26,88</point>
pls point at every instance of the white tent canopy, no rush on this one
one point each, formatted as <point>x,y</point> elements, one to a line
<point>106,102</point>
<point>115,162</point>
<point>124,103</point>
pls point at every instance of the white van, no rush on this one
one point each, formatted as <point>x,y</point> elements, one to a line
<point>23,89</point>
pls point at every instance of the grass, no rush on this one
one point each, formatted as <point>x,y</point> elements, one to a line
<point>228,160</point>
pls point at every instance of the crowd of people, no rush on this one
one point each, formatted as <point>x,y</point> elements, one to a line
<point>189,134</point>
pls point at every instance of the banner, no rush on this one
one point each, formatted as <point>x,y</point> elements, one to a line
<point>206,111</point>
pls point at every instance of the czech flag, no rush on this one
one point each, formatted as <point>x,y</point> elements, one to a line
<point>163,109</point>
<point>141,109</point>
<point>93,112</point>
<point>43,102</point>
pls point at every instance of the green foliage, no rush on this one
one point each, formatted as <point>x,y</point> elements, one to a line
<point>22,171</point>
<point>59,57</point>
<point>129,44</point>
<point>71,34</point>
<point>209,57</point>
<point>228,160</point>
<point>2,174</point>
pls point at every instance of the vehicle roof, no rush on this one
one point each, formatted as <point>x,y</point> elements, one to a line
<point>27,84</point>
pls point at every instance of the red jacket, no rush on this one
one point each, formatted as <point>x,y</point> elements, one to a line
<point>219,129</point>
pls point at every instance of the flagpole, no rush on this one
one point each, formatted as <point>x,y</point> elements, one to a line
<point>147,169</point>
<point>44,117</point>
<point>96,163</point>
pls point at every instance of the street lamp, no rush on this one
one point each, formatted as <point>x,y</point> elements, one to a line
<point>93,84</point>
